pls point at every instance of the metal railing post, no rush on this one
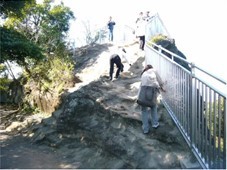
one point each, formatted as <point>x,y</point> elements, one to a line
<point>192,105</point>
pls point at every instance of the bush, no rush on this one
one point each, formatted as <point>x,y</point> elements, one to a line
<point>47,82</point>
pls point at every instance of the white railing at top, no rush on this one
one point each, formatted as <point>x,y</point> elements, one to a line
<point>124,34</point>
<point>155,27</point>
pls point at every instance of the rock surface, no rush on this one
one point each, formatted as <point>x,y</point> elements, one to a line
<point>98,123</point>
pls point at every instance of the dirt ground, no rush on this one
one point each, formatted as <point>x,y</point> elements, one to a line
<point>17,152</point>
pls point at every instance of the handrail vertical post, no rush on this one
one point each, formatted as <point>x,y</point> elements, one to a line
<point>224,140</point>
<point>191,103</point>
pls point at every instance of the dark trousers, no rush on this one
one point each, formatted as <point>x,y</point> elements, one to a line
<point>142,42</point>
<point>115,59</point>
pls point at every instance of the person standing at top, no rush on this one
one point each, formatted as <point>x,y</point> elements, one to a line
<point>141,30</point>
<point>111,25</point>
<point>150,77</point>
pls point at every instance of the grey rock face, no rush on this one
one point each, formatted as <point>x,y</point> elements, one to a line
<point>99,126</point>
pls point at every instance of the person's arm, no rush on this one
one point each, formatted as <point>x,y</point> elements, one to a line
<point>160,82</point>
<point>125,56</point>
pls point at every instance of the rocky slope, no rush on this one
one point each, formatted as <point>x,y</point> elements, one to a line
<point>98,123</point>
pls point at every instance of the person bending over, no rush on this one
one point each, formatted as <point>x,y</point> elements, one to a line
<point>115,60</point>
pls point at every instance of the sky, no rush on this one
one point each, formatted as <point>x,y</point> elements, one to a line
<point>198,26</point>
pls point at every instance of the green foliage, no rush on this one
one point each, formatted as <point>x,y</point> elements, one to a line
<point>15,47</point>
<point>27,108</point>
<point>165,42</point>
<point>2,68</point>
<point>13,8</point>
<point>59,17</point>
<point>4,81</point>
<point>47,82</point>
<point>4,84</point>
<point>158,38</point>
<point>216,121</point>
<point>219,108</point>
<point>45,25</point>
<point>51,76</point>
<point>35,39</point>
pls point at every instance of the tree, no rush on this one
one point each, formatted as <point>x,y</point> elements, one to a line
<point>39,30</point>
<point>12,8</point>
<point>45,25</point>
<point>29,39</point>
<point>14,45</point>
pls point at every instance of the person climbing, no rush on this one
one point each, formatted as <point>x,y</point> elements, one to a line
<point>116,58</point>
<point>149,77</point>
<point>111,25</point>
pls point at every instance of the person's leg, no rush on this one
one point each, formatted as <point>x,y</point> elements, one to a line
<point>142,42</point>
<point>111,68</point>
<point>122,67</point>
<point>111,35</point>
<point>119,66</point>
<point>118,72</point>
<point>145,119</point>
<point>154,116</point>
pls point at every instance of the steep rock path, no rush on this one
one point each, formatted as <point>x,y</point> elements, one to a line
<point>98,123</point>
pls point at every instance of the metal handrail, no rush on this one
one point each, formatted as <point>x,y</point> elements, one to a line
<point>186,61</point>
<point>193,107</point>
<point>159,18</point>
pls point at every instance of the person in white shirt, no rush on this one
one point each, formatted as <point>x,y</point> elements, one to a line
<point>141,30</point>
